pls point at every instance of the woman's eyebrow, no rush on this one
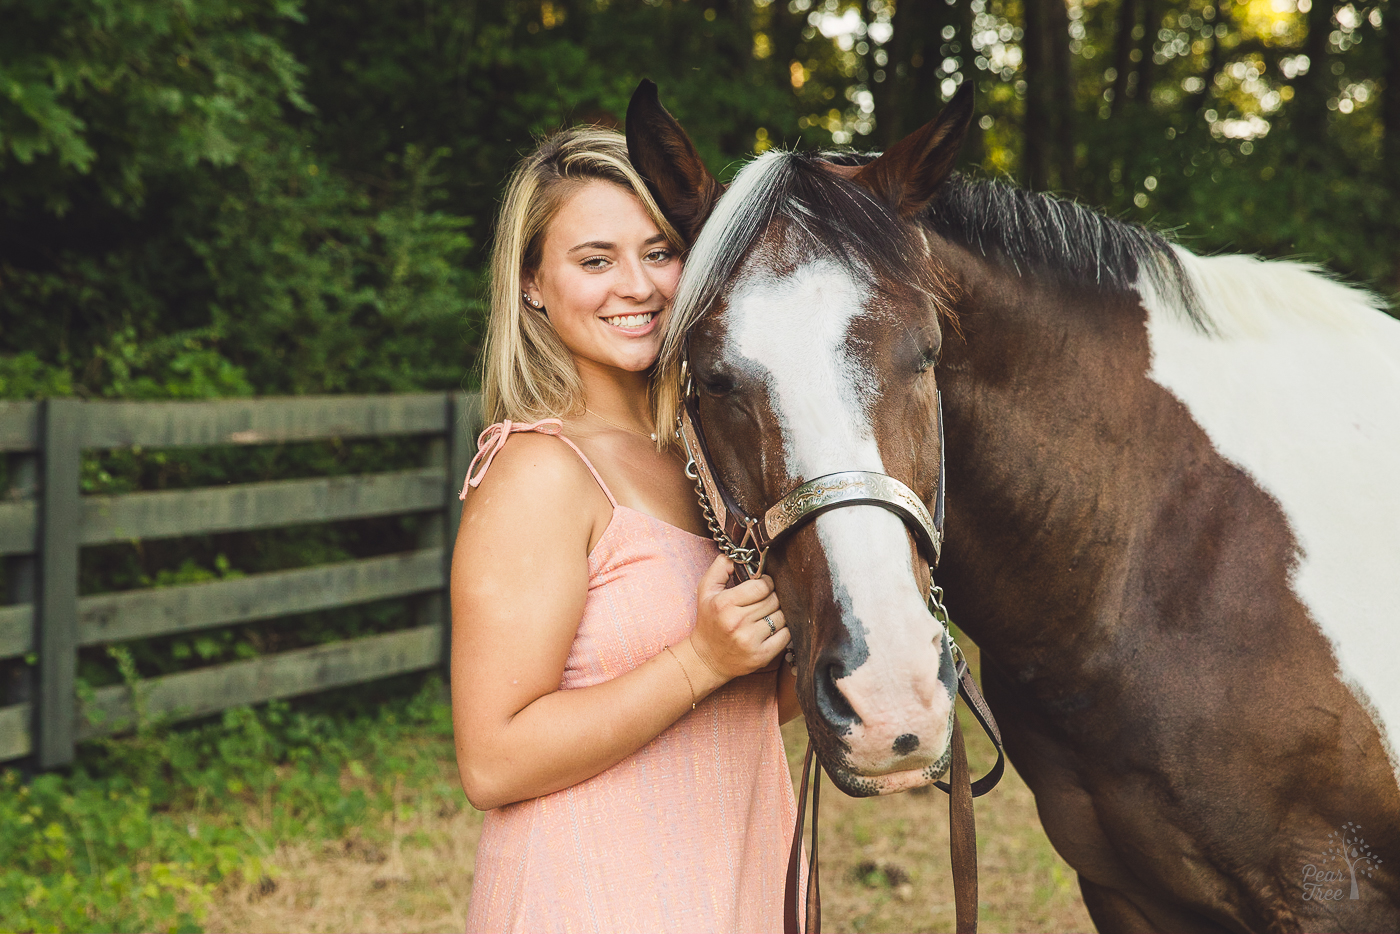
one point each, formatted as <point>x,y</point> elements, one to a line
<point>594,245</point>
<point>605,245</point>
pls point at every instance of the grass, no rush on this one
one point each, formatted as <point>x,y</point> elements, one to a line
<point>152,832</point>
<point>884,866</point>
<point>297,820</point>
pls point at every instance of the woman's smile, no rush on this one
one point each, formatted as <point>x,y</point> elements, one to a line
<point>635,324</point>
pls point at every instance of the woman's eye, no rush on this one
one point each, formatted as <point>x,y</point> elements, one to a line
<point>595,262</point>
<point>659,256</point>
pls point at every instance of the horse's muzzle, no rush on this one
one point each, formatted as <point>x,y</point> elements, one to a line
<point>888,721</point>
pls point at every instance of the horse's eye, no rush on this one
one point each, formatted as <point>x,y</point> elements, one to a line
<point>927,360</point>
<point>717,383</point>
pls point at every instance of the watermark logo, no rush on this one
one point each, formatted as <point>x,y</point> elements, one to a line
<point>1347,856</point>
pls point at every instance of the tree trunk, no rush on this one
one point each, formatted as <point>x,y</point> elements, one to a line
<point>1146,67</point>
<point>785,33</point>
<point>1036,132</point>
<point>908,98</point>
<point>1062,93</point>
<point>974,149</point>
<point>1122,53</point>
<point>1049,128</point>
<point>1310,105</point>
<point>889,94</point>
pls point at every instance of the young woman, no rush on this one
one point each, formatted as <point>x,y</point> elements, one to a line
<point>616,705</point>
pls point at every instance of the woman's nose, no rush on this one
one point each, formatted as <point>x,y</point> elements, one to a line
<point>635,282</point>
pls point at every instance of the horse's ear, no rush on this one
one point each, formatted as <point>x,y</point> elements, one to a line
<point>907,176</point>
<point>665,157</point>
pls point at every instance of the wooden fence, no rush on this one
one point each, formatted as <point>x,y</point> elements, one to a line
<point>45,521</point>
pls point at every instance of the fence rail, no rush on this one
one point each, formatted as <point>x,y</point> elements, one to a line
<point>45,522</point>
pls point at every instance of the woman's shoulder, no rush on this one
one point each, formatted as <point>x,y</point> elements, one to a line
<point>537,470</point>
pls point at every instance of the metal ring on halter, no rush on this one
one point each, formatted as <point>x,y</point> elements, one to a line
<point>772,630</point>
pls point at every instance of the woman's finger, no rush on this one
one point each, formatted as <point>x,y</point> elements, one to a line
<point>750,592</point>
<point>716,576</point>
<point>762,608</point>
<point>770,625</point>
<point>775,643</point>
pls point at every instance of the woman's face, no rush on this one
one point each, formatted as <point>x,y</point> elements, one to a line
<point>606,274</point>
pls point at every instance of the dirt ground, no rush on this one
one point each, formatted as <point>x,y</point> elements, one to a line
<point>884,867</point>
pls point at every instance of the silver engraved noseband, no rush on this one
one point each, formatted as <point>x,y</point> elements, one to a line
<point>746,540</point>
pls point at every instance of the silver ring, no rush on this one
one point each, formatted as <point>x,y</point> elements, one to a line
<point>772,630</point>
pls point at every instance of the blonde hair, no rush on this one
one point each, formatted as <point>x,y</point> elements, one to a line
<point>527,373</point>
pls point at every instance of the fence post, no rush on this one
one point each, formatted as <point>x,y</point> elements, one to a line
<point>20,576</point>
<point>56,619</point>
<point>463,423</point>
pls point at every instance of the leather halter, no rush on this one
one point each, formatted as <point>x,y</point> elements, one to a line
<point>746,539</point>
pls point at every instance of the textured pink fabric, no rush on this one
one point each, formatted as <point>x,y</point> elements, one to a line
<point>690,833</point>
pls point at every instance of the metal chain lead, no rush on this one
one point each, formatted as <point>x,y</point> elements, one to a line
<point>749,558</point>
<point>940,613</point>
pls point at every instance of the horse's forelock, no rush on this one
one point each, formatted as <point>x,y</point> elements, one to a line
<point>824,215</point>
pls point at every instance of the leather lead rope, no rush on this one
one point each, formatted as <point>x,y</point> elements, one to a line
<point>962,826</point>
<point>962,838</point>
<point>814,887</point>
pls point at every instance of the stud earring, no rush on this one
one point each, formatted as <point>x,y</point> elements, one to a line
<point>533,303</point>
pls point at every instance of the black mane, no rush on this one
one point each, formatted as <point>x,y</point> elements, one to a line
<point>1027,232</point>
<point>1032,232</point>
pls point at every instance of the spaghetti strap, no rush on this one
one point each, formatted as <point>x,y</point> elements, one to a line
<point>494,438</point>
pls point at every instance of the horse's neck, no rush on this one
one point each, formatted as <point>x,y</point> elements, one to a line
<point>1059,466</point>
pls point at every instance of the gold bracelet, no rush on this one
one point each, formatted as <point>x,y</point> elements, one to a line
<point>688,682</point>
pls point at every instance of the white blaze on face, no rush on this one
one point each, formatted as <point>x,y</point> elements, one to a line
<point>1301,390</point>
<point>792,330</point>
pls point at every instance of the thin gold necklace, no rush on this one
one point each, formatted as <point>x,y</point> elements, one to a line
<point>614,424</point>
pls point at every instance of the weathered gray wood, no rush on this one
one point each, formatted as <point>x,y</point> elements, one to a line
<point>19,525</point>
<point>261,421</point>
<point>302,671</point>
<point>162,611</point>
<point>19,426</point>
<point>464,427</point>
<point>430,609</point>
<point>21,586</point>
<point>58,582</point>
<point>461,446</point>
<point>242,506</point>
<point>16,630</point>
<point>15,740</point>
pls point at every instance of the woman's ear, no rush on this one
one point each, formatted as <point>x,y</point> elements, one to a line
<point>530,291</point>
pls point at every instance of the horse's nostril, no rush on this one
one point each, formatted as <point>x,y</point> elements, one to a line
<point>905,744</point>
<point>831,703</point>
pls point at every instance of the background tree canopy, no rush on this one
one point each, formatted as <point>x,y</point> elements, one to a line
<point>228,197</point>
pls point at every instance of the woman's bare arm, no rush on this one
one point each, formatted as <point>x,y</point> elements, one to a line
<point>519,580</point>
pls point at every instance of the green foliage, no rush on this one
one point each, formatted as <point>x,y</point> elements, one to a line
<point>1221,144</point>
<point>268,196</point>
<point>144,830</point>
<point>172,232</point>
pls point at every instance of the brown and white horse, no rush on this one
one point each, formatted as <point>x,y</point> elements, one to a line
<point>1173,513</point>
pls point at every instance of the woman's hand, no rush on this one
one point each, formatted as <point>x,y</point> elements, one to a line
<point>739,629</point>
